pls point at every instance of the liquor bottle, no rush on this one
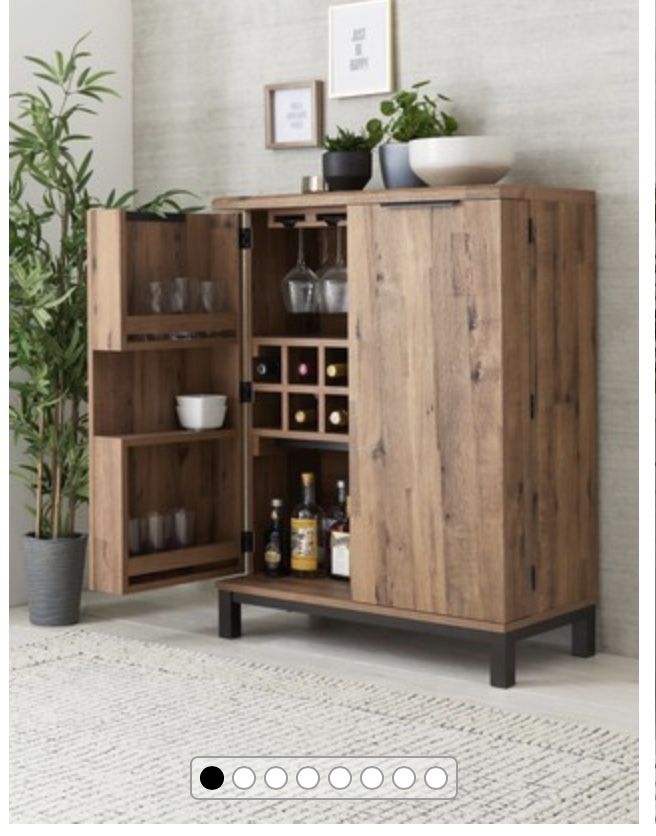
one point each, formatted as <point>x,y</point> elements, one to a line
<point>266,368</point>
<point>306,532</point>
<point>336,371</point>
<point>334,514</point>
<point>338,418</point>
<point>306,418</point>
<point>276,550</point>
<point>340,548</point>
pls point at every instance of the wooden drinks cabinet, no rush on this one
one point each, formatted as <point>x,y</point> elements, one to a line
<point>470,448</point>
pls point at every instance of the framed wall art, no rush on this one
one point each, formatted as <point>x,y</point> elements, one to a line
<point>360,49</point>
<point>293,114</point>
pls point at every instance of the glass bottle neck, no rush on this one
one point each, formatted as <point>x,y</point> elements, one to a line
<point>308,494</point>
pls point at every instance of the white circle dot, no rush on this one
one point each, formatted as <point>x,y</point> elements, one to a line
<point>371,777</point>
<point>243,778</point>
<point>339,777</point>
<point>436,777</point>
<point>403,777</point>
<point>275,777</point>
<point>307,777</point>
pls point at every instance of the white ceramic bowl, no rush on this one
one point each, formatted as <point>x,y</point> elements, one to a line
<point>461,160</point>
<point>202,412</point>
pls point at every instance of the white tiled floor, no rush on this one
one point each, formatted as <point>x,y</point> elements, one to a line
<point>602,690</point>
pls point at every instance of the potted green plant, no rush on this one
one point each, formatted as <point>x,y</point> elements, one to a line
<point>48,201</point>
<point>410,114</point>
<point>347,159</point>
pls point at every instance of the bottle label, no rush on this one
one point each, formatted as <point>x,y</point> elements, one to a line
<point>305,545</point>
<point>273,551</point>
<point>340,555</point>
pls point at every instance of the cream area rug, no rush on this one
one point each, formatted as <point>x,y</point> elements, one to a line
<point>103,729</point>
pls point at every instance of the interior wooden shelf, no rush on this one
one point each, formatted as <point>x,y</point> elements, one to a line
<point>170,344</point>
<point>148,564</point>
<point>171,323</point>
<point>297,435</point>
<point>302,342</point>
<point>170,437</point>
<point>301,389</point>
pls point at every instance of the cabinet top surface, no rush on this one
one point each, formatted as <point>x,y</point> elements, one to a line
<point>427,194</point>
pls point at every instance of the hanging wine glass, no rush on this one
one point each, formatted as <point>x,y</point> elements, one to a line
<point>324,255</point>
<point>300,285</point>
<point>333,290</point>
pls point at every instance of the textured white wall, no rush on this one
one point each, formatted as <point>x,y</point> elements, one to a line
<point>559,76</point>
<point>39,28</point>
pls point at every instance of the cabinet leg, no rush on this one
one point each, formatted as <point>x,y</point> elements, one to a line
<point>502,661</point>
<point>583,633</point>
<point>229,616</point>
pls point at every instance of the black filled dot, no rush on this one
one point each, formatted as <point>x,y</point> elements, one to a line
<point>211,777</point>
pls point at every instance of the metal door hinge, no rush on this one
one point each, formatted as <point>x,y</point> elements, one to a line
<point>245,238</point>
<point>247,542</point>
<point>532,577</point>
<point>245,391</point>
<point>531,231</point>
<point>532,406</point>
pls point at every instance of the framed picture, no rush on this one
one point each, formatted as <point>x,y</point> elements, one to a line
<point>360,49</point>
<point>294,114</point>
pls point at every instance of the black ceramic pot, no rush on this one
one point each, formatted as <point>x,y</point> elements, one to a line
<point>346,170</point>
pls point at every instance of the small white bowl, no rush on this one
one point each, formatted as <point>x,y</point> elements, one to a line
<point>200,416</point>
<point>461,160</point>
<point>205,399</point>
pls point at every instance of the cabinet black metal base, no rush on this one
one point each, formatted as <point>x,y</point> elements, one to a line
<point>501,645</point>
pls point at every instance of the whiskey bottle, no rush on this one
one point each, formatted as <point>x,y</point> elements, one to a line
<point>340,548</point>
<point>276,551</point>
<point>337,511</point>
<point>336,372</point>
<point>338,418</point>
<point>266,368</point>
<point>306,532</point>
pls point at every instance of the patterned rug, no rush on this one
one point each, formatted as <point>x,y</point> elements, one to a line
<point>103,730</point>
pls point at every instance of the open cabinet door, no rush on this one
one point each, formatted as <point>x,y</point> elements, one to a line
<point>427,446</point>
<point>143,465</point>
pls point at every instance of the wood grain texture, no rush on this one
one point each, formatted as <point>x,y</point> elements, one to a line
<point>107,269</point>
<point>426,407</point>
<point>107,515</point>
<point>564,451</point>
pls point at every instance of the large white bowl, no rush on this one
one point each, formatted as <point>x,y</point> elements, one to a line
<point>201,412</point>
<point>461,160</point>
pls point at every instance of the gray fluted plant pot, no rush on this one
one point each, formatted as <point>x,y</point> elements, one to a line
<point>395,166</point>
<point>54,570</point>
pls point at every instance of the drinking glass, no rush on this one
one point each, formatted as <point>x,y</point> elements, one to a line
<point>299,286</point>
<point>158,531</point>
<point>208,296</point>
<point>184,295</point>
<point>155,297</point>
<point>136,538</point>
<point>333,289</point>
<point>183,527</point>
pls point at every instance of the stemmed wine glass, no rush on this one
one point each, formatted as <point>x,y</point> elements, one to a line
<point>333,290</point>
<point>300,286</point>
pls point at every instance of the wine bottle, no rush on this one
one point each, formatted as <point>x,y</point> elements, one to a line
<point>276,551</point>
<point>338,418</point>
<point>266,368</point>
<point>337,371</point>
<point>306,417</point>
<point>340,547</point>
<point>305,528</point>
<point>336,512</point>
<point>306,370</point>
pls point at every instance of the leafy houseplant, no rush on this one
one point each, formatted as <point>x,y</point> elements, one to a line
<point>410,114</point>
<point>48,201</point>
<point>347,160</point>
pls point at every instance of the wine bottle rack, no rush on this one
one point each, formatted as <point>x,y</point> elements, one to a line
<point>278,400</point>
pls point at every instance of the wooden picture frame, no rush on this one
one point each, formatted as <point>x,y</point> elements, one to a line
<point>293,114</point>
<point>360,49</point>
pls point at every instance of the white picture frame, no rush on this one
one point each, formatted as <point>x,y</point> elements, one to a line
<point>293,114</point>
<point>360,49</point>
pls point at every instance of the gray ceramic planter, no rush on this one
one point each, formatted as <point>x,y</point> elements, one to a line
<point>54,570</point>
<point>395,166</point>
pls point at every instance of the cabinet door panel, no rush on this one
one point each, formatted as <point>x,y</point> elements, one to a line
<point>426,411</point>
